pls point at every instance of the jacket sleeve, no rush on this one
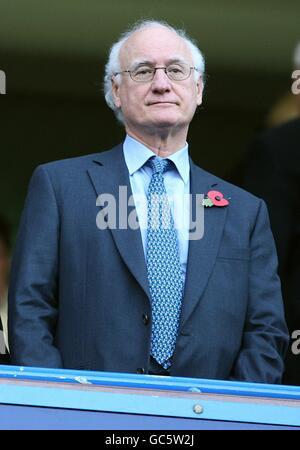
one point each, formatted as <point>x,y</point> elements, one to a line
<point>33,282</point>
<point>265,338</point>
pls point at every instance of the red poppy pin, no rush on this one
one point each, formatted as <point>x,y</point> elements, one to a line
<point>214,198</point>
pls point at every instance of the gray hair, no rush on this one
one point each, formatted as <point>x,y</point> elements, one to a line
<point>113,63</point>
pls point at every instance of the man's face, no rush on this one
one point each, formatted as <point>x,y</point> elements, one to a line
<point>160,102</point>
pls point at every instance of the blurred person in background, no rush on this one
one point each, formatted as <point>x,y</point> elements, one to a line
<point>272,171</point>
<point>4,274</point>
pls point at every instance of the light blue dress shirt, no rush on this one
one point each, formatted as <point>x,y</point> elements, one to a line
<point>177,182</point>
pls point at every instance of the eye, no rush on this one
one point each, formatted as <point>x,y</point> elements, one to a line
<point>176,69</point>
<point>143,70</point>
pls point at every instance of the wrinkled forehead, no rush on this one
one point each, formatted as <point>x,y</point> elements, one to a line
<point>157,45</point>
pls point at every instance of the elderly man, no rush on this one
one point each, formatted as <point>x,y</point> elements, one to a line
<point>152,297</point>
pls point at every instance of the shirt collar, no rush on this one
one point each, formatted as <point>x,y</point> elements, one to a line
<point>137,154</point>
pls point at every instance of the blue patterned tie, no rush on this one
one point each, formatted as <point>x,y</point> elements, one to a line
<point>165,276</point>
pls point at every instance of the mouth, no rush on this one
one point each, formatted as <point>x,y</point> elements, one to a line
<point>162,103</point>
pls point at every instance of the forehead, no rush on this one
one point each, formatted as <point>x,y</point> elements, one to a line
<point>154,44</point>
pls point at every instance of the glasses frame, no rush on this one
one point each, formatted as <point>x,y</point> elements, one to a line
<point>164,68</point>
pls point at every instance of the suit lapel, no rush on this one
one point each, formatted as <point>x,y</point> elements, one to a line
<point>202,252</point>
<point>107,175</point>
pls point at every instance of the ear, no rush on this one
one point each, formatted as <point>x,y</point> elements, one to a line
<point>199,91</point>
<point>115,87</point>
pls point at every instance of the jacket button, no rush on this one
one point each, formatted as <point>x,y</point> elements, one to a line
<point>140,370</point>
<point>145,319</point>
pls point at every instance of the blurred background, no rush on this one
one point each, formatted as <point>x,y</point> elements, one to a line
<point>53,53</point>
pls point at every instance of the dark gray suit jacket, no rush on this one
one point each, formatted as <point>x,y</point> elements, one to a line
<point>79,296</point>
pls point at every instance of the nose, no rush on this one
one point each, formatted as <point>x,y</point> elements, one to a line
<point>161,83</point>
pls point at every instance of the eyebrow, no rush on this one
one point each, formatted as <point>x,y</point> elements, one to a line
<point>143,62</point>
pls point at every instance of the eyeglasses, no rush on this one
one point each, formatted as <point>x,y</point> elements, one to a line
<point>145,73</point>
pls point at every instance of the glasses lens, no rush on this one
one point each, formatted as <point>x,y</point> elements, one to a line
<point>142,73</point>
<point>178,72</point>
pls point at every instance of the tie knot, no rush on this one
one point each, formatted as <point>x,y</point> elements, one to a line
<point>159,165</point>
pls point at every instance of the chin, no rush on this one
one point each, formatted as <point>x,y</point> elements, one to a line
<point>165,120</point>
